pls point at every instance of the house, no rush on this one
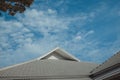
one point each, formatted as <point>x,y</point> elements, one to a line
<point>60,65</point>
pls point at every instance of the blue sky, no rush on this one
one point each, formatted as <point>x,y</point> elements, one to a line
<point>88,29</point>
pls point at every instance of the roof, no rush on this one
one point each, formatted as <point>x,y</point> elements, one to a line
<point>65,67</point>
<point>59,52</point>
<point>49,68</point>
<point>115,59</point>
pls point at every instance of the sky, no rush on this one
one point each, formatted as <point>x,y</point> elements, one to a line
<point>87,29</point>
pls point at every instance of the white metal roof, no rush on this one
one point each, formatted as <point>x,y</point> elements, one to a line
<point>49,68</point>
<point>43,68</point>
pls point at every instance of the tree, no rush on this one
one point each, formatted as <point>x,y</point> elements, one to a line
<point>14,6</point>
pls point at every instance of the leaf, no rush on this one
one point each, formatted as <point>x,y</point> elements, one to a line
<point>14,6</point>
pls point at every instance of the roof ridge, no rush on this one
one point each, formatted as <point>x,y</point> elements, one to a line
<point>48,53</point>
<point>60,51</point>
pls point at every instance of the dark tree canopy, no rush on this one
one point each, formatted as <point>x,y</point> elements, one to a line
<point>14,6</point>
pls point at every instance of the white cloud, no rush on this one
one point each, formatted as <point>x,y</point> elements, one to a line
<point>88,33</point>
<point>50,11</point>
<point>37,32</point>
<point>78,37</point>
<point>21,38</point>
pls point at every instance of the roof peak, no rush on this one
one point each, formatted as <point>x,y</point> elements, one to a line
<point>58,54</point>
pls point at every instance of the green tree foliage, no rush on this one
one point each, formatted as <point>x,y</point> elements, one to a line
<point>14,6</point>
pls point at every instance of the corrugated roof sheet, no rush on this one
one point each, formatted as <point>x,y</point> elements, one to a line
<point>115,59</point>
<point>49,68</point>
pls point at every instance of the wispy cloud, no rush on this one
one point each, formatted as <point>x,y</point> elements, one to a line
<point>38,31</point>
<point>35,33</point>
